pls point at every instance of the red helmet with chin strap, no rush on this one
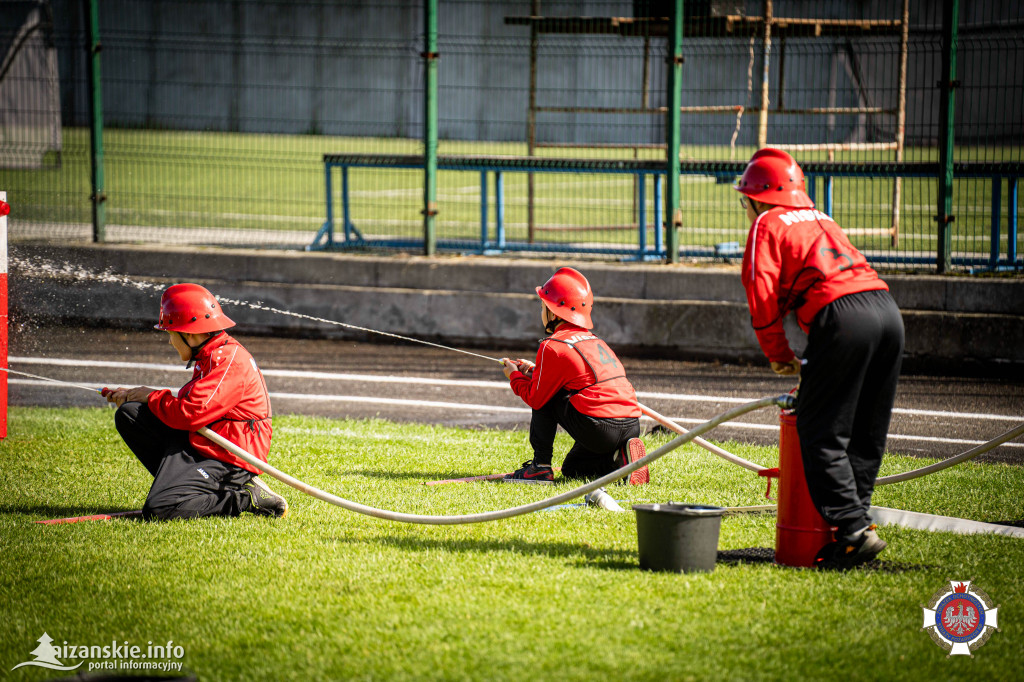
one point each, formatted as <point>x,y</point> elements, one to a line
<point>191,309</point>
<point>774,177</point>
<point>567,294</point>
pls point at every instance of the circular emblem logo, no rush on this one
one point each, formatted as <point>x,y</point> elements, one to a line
<point>960,618</point>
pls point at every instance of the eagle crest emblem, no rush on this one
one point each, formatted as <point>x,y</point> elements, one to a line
<point>960,618</point>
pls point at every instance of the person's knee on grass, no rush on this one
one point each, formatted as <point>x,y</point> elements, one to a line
<point>227,393</point>
<point>578,383</point>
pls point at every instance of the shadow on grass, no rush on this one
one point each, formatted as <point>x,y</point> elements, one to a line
<point>766,555</point>
<point>591,556</point>
<point>747,555</point>
<point>102,677</point>
<point>421,476</point>
<point>47,511</point>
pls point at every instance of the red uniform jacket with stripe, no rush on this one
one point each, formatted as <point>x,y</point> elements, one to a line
<point>574,359</point>
<point>798,260</point>
<point>228,395</point>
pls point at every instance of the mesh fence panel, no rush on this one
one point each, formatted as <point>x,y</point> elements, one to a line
<point>218,115</point>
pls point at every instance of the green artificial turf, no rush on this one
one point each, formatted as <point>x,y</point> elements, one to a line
<point>328,594</point>
<point>181,180</point>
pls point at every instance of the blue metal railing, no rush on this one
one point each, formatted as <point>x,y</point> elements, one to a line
<point>994,172</point>
<point>723,172</point>
<point>353,238</point>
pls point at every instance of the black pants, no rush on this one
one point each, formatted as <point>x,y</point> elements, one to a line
<point>847,390</point>
<point>185,484</point>
<point>598,439</point>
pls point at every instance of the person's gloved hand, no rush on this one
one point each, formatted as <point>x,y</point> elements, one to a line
<point>525,366</point>
<point>120,396</point>
<point>791,368</point>
<point>508,366</point>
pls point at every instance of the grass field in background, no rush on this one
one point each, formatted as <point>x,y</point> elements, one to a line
<point>327,594</point>
<point>197,180</point>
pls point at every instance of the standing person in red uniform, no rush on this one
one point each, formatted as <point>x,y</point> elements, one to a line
<point>798,259</point>
<point>579,384</point>
<point>192,476</point>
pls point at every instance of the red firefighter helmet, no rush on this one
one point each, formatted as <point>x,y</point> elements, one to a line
<point>567,294</point>
<point>192,309</point>
<point>774,177</point>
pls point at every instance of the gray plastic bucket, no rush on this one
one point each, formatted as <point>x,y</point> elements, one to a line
<point>678,537</point>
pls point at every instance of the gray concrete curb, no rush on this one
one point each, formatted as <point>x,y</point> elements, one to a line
<point>678,311</point>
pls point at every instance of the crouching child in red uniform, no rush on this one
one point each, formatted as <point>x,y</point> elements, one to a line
<point>577,383</point>
<point>192,476</point>
<point>798,259</point>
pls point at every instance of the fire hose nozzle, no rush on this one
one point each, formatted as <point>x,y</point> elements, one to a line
<point>601,498</point>
<point>786,401</point>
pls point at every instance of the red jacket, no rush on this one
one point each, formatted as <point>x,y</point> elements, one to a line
<point>228,395</point>
<point>798,259</point>
<point>574,359</point>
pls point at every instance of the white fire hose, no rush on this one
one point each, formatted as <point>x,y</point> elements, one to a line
<point>784,401</point>
<point>710,447</point>
<point>939,466</point>
<point>884,480</point>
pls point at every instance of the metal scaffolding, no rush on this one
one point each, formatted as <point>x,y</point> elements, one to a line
<point>768,27</point>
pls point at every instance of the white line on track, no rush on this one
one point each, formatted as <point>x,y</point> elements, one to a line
<point>363,399</point>
<point>398,401</point>
<point>475,407</point>
<point>466,383</point>
<point>893,436</point>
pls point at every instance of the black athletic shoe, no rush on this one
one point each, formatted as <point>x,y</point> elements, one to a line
<point>630,452</point>
<point>532,473</point>
<point>264,501</point>
<point>851,551</point>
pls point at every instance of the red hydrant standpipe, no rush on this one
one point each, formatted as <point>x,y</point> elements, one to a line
<point>800,531</point>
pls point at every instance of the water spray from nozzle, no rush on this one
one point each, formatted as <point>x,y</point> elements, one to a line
<point>38,266</point>
<point>271,309</point>
<point>101,391</point>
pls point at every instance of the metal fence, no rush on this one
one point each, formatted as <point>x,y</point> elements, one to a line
<point>309,125</point>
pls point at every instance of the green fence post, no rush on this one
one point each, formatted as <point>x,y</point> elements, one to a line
<point>430,128</point>
<point>673,215</point>
<point>950,21</point>
<point>98,197</point>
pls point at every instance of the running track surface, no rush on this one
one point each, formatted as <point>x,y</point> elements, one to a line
<point>935,416</point>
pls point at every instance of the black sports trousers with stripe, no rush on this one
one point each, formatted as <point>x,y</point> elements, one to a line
<point>598,439</point>
<point>847,390</point>
<point>185,484</point>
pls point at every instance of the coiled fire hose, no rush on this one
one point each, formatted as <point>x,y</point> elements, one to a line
<point>784,401</point>
<point>710,447</point>
<point>883,480</point>
<point>939,466</point>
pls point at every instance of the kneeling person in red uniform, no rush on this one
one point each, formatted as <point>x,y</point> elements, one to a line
<point>579,384</point>
<point>192,476</point>
<point>798,259</point>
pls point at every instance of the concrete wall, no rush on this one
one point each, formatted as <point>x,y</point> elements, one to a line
<point>684,312</point>
<point>352,68</point>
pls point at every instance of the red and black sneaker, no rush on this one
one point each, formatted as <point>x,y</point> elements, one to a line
<point>532,473</point>
<point>850,551</point>
<point>630,452</point>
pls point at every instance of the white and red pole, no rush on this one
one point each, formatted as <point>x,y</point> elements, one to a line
<point>5,208</point>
